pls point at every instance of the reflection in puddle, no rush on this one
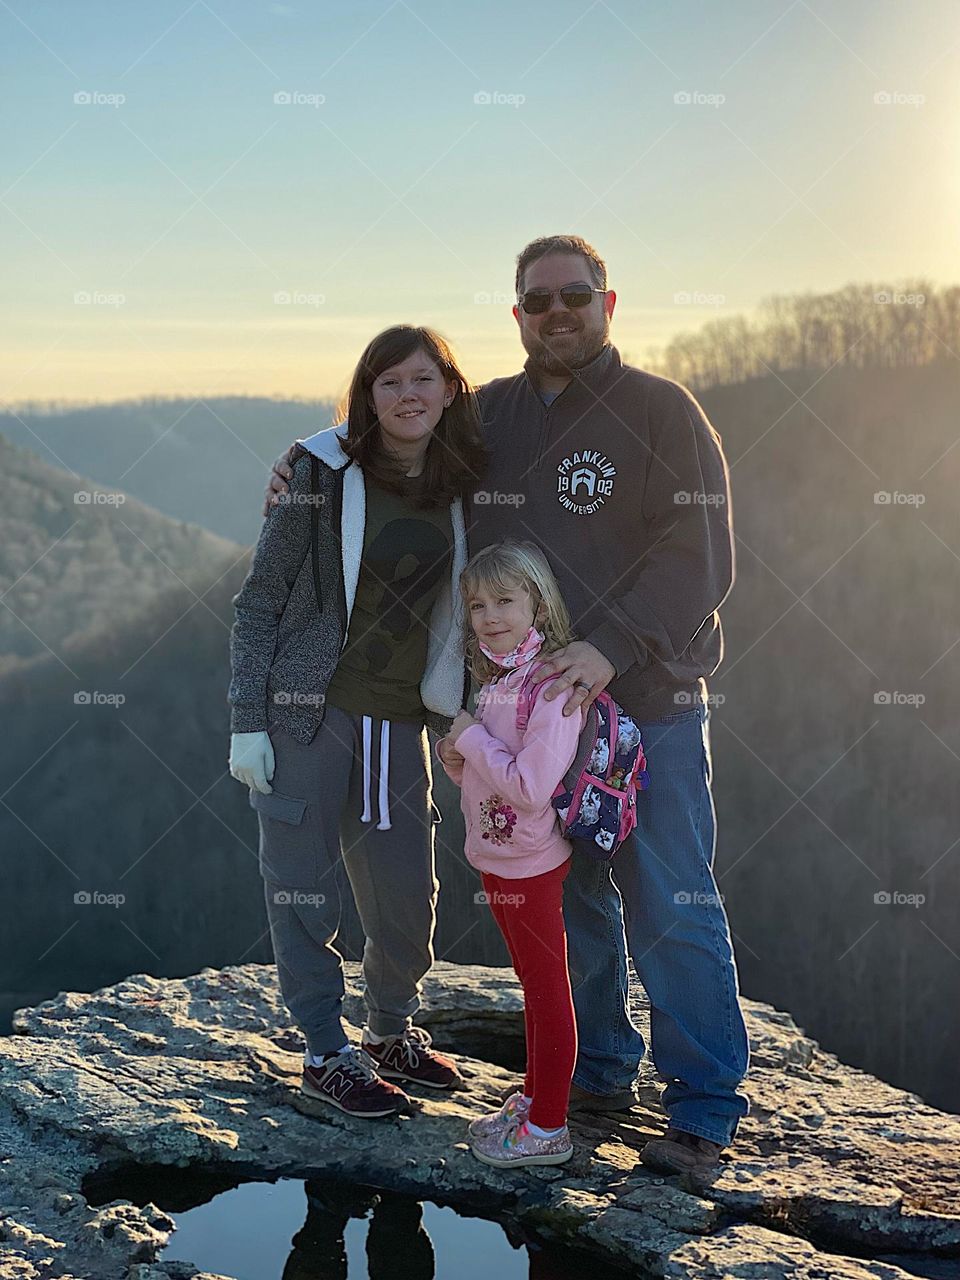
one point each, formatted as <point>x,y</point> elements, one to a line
<point>326,1230</point>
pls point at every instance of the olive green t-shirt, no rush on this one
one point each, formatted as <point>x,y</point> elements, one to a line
<point>406,559</point>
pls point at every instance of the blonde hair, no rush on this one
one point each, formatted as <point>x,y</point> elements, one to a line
<point>501,568</point>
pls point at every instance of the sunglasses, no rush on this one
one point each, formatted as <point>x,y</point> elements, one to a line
<point>536,301</point>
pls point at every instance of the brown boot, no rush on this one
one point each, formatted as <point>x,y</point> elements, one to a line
<point>583,1100</point>
<point>681,1152</point>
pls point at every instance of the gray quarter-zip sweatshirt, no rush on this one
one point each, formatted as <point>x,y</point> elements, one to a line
<point>623,482</point>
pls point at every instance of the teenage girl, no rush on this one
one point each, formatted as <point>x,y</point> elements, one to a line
<point>348,640</point>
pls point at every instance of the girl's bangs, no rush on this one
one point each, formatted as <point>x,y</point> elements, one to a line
<point>493,580</point>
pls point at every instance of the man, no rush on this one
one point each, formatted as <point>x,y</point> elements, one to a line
<point>621,479</point>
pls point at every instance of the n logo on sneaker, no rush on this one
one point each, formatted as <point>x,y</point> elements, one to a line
<point>338,1084</point>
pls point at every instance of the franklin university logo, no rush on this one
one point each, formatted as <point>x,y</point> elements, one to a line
<point>584,481</point>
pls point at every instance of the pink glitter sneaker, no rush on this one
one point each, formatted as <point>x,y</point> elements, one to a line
<point>518,1148</point>
<point>514,1108</point>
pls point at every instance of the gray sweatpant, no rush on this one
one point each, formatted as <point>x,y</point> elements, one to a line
<point>358,799</point>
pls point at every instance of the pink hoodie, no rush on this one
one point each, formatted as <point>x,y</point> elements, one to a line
<point>508,777</point>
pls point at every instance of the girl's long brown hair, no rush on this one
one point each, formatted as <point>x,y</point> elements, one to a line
<point>502,568</point>
<point>456,456</point>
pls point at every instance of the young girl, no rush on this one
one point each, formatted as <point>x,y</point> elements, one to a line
<point>507,775</point>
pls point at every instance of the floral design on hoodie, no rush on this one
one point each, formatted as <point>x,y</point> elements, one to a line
<point>497,820</point>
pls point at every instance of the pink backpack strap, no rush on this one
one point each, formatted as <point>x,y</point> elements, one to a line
<point>527,696</point>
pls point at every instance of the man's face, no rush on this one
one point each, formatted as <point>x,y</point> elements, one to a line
<point>562,338</point>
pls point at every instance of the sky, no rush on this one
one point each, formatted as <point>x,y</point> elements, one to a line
<point>232,197</point>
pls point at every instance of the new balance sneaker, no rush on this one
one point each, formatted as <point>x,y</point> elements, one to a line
<point>409,1057</point>
<point>518,1148</point>
<point>349,1080</point>
<point>514,1108</point>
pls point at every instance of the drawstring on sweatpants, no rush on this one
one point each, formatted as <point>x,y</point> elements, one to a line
<point>383,795</point>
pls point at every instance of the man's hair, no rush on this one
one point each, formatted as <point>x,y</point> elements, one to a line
<point>537,249</point>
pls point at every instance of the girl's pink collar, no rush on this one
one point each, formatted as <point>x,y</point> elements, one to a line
<point>520,655</point>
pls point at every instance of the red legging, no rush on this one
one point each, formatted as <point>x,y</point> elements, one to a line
<point>530,915</point>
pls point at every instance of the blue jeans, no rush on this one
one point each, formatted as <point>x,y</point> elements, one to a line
<point>658,902</point>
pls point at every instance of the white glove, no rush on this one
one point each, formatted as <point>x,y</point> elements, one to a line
<point>252,761</point>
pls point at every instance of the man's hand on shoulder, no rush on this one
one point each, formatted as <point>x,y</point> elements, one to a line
<point>582,669</point>
<point>282,472</point>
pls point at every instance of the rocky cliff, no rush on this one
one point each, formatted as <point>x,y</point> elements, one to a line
<point>834,1173</point>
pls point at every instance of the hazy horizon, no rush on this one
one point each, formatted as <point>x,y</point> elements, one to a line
<point>161,202</point>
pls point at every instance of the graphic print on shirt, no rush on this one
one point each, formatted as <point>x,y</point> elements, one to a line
<point>497,820</point>
<point>399,581</point>
<point>585,481</point>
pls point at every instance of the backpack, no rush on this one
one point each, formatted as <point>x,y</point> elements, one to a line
<point>596,799</point>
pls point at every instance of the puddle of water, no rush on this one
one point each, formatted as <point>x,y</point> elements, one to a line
<point>325,1230</point>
